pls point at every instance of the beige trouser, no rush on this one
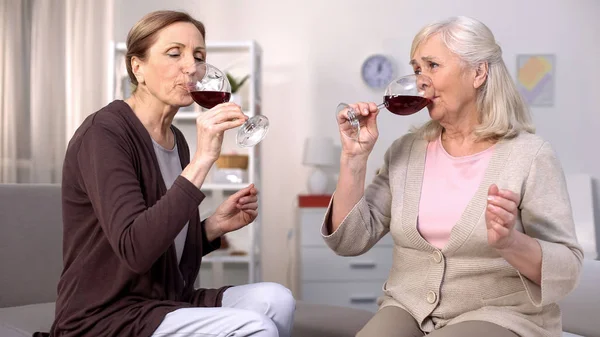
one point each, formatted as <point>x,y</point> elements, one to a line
<point>396,322</point>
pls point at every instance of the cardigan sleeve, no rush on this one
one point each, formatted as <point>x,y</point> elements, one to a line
<point>208,246</point>
<point>367,222</point>
<point>546,216</point>
<point>138,234</point>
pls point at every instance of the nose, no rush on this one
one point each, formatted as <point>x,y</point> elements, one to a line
<point>425,86</point>
<point>190,68</point>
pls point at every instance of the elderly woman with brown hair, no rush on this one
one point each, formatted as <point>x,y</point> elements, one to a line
<point>133,238</point>
<point>477,205</point>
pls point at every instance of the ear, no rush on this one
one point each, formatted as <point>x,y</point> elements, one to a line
<point>136,67</point>
<point>481,73</point>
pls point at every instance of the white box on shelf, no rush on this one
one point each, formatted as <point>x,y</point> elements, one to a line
<point>230,176</point>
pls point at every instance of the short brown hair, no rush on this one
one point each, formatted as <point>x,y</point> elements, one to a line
<point>143,34</point>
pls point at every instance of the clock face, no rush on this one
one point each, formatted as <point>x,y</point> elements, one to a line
<point>377,71</point>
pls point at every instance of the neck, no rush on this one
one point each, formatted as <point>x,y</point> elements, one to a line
<point>154,115</point>
<point>458,137</point>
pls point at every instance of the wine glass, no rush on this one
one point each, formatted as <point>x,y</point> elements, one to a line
<point>209,87</point>
<point>403,96</point>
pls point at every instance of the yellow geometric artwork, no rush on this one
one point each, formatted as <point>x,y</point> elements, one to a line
<point>535,79</point>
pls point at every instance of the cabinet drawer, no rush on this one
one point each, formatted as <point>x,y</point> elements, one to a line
<point>311,220</point>
<point>322,264</point>
<point>360,295</point>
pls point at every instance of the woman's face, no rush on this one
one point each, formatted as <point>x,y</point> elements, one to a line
<point>170,62</point>
<point>455,85</point>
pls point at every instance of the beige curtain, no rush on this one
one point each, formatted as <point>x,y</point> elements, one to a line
<point>14,106</point>
<point>89,49</point>
<point>48,99</point>
<point>54,63</point>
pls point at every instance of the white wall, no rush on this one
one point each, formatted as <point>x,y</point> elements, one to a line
<point>312,55</point>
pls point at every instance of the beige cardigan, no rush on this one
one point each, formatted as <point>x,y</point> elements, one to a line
<point>468,280</point>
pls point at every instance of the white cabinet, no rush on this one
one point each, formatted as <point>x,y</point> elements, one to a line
<point>241,263</point>
<point>327,278</point>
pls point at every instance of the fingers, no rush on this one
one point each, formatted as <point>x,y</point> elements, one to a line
<point>247,199</point>
<point>252,213</point>
<point>246,207</point>
<point>249,191</point>
<point>510,195</point>
<point>499,215</point>
<point>500,229</point>
<point>364,109</point>
<point>493,189</point>
<point>226,116</point>
<point>222,117</point>
<point>373,107</point>
<point>221,127</point>
<point>503,203</point>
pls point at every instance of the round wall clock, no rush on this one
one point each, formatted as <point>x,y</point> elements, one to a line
<point>377,71</point>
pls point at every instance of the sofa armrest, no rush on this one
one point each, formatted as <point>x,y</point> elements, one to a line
<point>581,308</point>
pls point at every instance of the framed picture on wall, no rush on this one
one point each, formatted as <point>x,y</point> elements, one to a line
<point>536,79</point>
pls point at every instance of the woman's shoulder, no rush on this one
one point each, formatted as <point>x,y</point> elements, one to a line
<point>406,144</point>
<point>108,122</point>
<point>112,115</point>
<point>406,140</point>
<point>528,138</point>
<point>530,144</point>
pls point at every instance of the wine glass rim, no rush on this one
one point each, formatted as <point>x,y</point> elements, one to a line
<point>191,84</point>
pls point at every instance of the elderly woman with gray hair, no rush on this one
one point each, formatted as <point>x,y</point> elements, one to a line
<point>477,205</point>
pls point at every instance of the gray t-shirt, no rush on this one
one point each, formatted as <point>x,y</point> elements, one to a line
<point>170,169</point>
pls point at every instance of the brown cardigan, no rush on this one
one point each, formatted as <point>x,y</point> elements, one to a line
<point>120,274</point>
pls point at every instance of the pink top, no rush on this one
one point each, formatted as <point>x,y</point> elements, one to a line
<point>449,183</point>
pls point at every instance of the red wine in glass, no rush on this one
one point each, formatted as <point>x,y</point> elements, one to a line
<point>404,96</point>
<point>210,99</point>
<point>405,105</point>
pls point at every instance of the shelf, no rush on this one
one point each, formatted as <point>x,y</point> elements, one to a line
<point>227,259</point>
<point>223,187</point>
<point>230,45</point>
<point>246,54</point>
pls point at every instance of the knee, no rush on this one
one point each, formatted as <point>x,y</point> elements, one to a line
<point>277,297</point>
<point>362,333</point>
<point>259,325</point>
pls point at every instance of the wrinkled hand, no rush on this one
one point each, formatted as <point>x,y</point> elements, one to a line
<point>237,211</point>
<point>368,129</point>
<point>500,217</point>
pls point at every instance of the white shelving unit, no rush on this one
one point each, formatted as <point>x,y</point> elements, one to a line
<point>239,58</point>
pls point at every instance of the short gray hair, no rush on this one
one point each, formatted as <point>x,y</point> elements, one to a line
<point>503,112</point>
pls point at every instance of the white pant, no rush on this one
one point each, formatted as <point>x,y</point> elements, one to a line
<point>259,310</point>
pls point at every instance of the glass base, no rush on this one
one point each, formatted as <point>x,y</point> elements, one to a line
<point>348,120</point>
<point>253,131</point>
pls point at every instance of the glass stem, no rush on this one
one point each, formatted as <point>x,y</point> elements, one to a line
<point>381,106</point>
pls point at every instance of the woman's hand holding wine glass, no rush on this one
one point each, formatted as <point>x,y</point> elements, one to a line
<point>361,146</point>
<point>210,127</point>
<point>403,96</point>
<point>209,87</point>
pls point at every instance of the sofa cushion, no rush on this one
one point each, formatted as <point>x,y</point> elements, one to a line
<point>25,320</point>
<point>580,308</point>
<point>30,243</point>
<point>316,320</point>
